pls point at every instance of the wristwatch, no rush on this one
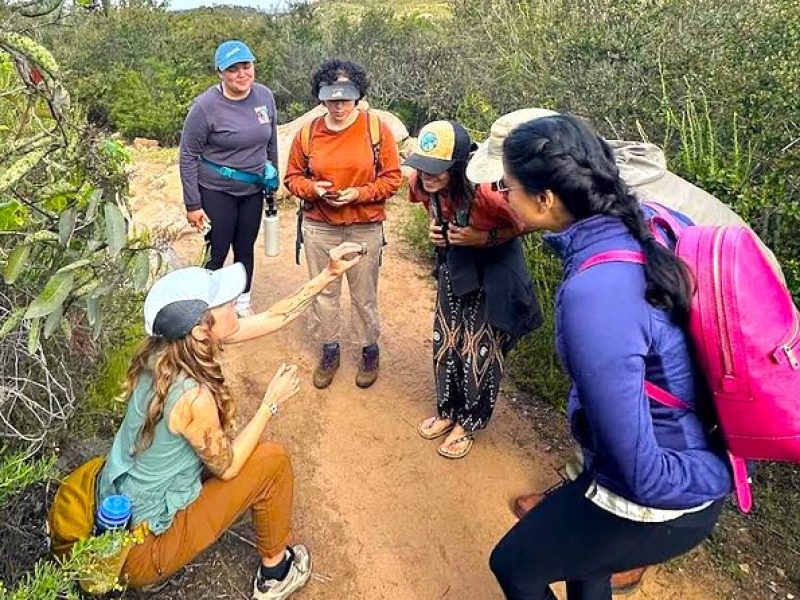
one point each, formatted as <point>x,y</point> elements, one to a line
<point>273,408</point>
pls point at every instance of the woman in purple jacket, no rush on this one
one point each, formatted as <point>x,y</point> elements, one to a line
<point>653,480</point>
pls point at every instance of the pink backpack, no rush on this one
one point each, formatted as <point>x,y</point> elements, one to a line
<point>746,333</point>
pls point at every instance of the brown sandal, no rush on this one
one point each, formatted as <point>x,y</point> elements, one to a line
<point>469,437</point>
<point>426,425</point>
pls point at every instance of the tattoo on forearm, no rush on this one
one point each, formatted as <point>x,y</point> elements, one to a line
<point>294,305</point>
<point>216,452</point>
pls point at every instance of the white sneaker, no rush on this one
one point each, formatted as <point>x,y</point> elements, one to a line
<point>299,572</point>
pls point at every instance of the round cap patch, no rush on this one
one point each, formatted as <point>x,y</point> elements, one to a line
<point>428,142</point>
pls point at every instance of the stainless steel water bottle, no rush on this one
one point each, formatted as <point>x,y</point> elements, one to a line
<point>272,231</point>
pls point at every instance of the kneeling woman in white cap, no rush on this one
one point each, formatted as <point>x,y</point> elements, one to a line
<point>179,419</point>
<point>485,300</point>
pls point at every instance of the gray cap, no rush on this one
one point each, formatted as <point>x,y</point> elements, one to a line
<point>341,90</point>
<point>177,301</point>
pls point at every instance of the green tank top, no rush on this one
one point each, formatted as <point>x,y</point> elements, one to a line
<point>165,477</point>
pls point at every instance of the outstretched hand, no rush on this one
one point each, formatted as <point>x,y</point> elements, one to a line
<point>344,257</point>
<point>284,385</point>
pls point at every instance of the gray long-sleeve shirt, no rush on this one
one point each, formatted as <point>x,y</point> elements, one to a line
<point>241,134</point>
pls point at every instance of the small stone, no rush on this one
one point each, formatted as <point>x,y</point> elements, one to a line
<point>745,568</point>
<point>781,572</point>
<point>789,596</point>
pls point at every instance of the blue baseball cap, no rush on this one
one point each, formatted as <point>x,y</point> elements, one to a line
<point>232,52</point>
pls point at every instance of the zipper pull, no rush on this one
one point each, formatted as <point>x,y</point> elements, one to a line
<point>792,357</point>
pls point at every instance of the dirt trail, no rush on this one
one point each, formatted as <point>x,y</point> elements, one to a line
<point>384,515</point>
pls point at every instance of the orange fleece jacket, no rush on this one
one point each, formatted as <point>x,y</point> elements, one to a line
<point>345,159</point>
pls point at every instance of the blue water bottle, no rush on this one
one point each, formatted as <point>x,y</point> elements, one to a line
<point>114,512</point>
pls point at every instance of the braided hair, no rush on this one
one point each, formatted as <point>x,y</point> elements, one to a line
<point>564,154</point>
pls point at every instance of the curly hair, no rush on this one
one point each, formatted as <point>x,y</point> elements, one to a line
<point>165,360</point>
<point>333,69</point>
<point>566,155</point>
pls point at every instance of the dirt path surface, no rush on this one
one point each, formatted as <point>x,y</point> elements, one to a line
<point>384,516</point>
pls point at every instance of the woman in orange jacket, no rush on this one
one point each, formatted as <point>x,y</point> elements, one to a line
<point>344,168</point>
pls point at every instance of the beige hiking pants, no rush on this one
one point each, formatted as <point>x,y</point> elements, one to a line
<point>324,315</point>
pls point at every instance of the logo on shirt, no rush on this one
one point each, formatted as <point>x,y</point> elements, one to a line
<point>263,115</point>
<point>428,142</point>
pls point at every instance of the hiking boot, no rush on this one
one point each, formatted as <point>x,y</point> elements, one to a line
<point>368,369</point>
<point>624,582</point>
<point>299,572</point>
<point>328,363</point>
<point>627,582</point>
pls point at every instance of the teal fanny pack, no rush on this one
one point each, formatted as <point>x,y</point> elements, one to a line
<point>269,180</point>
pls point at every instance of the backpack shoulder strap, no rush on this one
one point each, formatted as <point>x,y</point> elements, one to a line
<point>631,256</point>
<point>375,140</point>
<point>306,137</point>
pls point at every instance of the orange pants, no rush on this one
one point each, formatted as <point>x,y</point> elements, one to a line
<point>265,484</point>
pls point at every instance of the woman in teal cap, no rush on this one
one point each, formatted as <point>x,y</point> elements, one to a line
<point>229,135</point>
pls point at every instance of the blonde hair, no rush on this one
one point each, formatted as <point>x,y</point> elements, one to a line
<point>166,360</point>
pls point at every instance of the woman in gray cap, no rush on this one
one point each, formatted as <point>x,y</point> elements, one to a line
<point>180,420</point>
<point>228,137</point>
<point>343,167</point>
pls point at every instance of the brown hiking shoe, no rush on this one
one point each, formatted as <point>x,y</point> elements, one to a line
<point>625,582</point>
<point>326,368</point>
<point>369,366</point>
<point>524,504</point>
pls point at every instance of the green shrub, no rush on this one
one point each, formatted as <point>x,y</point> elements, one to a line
<point>533,364</point>
<point>414,229</point>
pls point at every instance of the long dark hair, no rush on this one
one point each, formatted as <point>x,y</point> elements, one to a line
<point>461,191</point>
<point>565,155</point>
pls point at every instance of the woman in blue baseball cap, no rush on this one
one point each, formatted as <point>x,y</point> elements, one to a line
<point>228,137</point>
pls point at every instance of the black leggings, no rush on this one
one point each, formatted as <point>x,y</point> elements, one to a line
<point>569,538</point>
<point>234,222</point>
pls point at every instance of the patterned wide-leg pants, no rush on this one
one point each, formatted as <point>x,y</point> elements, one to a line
<point>468,356</point>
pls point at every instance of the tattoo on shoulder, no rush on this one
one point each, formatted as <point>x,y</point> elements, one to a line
<point>216,452</point>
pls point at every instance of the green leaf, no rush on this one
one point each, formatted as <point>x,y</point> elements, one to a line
<point>92,311</point>
<point>16,260</point>
<point>98,326</point>
<point>33,336</point>
<point>102,290</point>
<point>44,235</point>
<point>13,216</point>
<point>94,201</point>
<point>66,329</point>
<point>87,288</point>
<point>66,225</point>
<point>52,297</point>
<point>115,228</point>
<point>141,269</point>
<point>52,321</point>
<point>78,264</point>
<point>12,321</point>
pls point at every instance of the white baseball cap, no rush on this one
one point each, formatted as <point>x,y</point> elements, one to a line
<point>178,301</point>
<point>486,164</point>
